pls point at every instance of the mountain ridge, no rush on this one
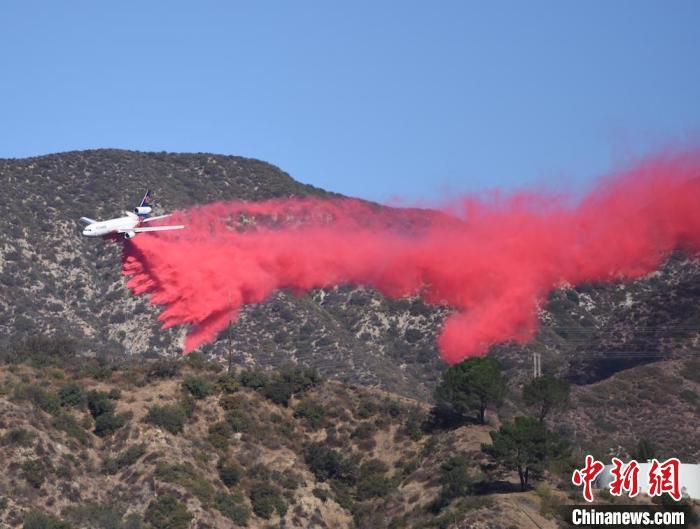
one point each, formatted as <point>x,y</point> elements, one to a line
<point>630,350</point>
<point>54,281</point>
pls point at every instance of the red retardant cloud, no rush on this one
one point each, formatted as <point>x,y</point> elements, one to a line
<point>493,261</point>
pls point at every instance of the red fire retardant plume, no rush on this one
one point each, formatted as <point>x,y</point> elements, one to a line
<point>493,261</point>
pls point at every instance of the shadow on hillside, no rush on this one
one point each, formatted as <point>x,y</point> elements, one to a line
<point>497,487</point>
<point>443,420</point>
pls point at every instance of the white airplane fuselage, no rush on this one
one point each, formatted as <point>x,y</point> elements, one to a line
<point>129,225</point>
<point>123,225</point>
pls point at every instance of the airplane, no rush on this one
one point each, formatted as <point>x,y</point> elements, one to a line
<point>129,225</point>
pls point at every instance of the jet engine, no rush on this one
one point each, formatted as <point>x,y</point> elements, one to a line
<point>130,234</point>
<point>143,210</point>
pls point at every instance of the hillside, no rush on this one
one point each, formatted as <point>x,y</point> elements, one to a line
<point>177,444</point>
<point>107,447</point>
<point>54,282</point>
<point>659,401</point>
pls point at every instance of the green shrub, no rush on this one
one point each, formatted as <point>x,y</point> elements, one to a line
<point>455,480</point>
<point>413,425</point>
<point>301,378</point>
<point>311,411</point>
<point>689,396</point>
<point>326,463</point>
<point>289,481</point>
<point>321,494</point>
<point>343,494</point>
<point>100,371</point>
<point>197,387</point>
<point>95,516</point>
<point>230,402</point>
<point>126,458</point>
<point>253,378</point>
<point>393,408</point>
<point>67,423</point>
<point>163,368</point>
<point>280,387</point>
<point>279,391</point>
<point>549,503</point>
<point>366,408</point>
<point>372,481</point>
<point>108,423</point>
<point>18,436</point>
<point>323,462</point>
<point>44,400</point>
<point>35,472</point>
<point>219,434</point>
<point>72,394</point>
<point>259,472</point>
<point>167,512</point>
<point>645,450</point>
<point>604,425</point>
<point>430,447</point>
<point>170,417</point>
<point>364,431</point>
<point>188,405</point>
<point>133,521</point>
<point>200,362</point>
<point>286,430</point>
<point>373,486</point>
<point>38,520</point>
<point>99,403</point>
<point>238,421</point>
<point>44,350</point>
<point>233,508</point>
<point>229,473</point>
<point>228,383</point>
<point>48,402</point>
<point>266,499</point>
<point>63,471</point>
<point>186,476</point>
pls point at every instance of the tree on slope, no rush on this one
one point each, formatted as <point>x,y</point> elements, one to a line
<point>471,386</point>
<point>525,445</point>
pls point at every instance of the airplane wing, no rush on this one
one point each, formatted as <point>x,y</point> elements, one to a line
<point>152,228</point>
<point>149,219</point>
<point>86,220</point>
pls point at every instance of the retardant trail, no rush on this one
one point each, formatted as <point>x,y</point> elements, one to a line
<point>493,261</point>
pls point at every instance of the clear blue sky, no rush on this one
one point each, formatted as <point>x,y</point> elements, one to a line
<point>373,99</point>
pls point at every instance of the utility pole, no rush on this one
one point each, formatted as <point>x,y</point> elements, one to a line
<point>536,365</point>
<point>230,339</point>
<point>230,349</point>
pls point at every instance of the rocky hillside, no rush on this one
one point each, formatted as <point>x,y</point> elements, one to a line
<point>53,281</point>
<point>658,401</point>
<point>183,444</point>
<point>115,438</point>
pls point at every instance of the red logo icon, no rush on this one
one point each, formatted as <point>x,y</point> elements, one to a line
<point>663,477</point>
<point>587,475</point>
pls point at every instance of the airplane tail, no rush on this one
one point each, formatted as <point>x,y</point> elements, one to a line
<point>145,208</point>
